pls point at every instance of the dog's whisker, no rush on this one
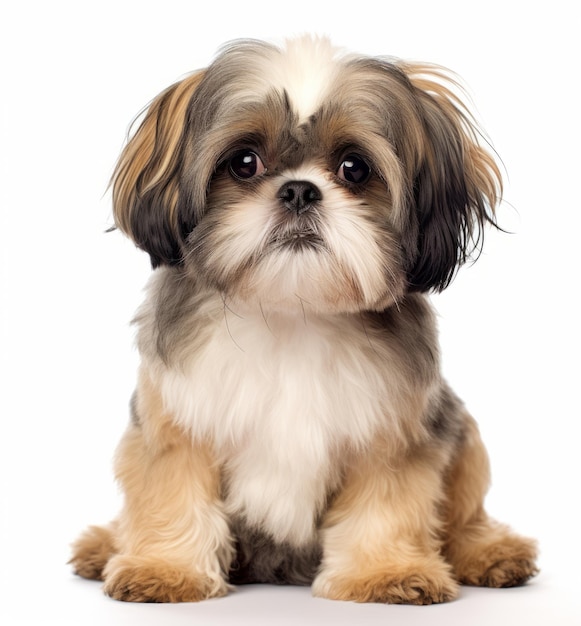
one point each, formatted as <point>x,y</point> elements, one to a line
<point>227,324</point>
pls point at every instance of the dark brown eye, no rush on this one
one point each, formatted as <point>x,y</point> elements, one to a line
<point>354,169</point>
<point>246,164</point>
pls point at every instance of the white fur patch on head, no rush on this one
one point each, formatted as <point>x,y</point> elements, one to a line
<point>305,68</point>
<point>308,70</point>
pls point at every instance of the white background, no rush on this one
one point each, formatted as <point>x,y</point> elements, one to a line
<point>74,74</point>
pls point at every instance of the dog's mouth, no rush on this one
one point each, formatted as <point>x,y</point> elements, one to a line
<point>297,240</point>
<point>298,234</point>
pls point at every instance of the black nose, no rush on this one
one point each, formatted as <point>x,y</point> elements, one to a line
<point>299,195</point>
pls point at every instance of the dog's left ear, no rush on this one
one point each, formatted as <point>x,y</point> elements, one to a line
<point>457,185</point>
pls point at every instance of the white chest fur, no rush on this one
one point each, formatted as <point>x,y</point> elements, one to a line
<point>281,400</point>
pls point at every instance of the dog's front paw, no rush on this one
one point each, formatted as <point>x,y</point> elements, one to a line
<point>134,579</point>
<point>409,586</point>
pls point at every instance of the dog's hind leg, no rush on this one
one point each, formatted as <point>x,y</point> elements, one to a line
<point>481,551</point>
<point>92,551</point>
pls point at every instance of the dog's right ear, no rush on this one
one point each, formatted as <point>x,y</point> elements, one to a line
<point>146,179</point>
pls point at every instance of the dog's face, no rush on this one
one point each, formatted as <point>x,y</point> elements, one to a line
<point>306,175</point>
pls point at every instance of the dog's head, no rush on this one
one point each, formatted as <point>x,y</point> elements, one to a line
<point>305,173</point>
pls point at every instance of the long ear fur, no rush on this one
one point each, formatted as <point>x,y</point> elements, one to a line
<point>145,181</point>
<point>457,187</point>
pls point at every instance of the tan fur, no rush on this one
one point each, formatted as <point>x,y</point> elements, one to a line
<point>150,156</point>
<point>409,531</point>
<point>172,539</point>
<point>481,168</point>
<point>381,536</point>
<point>399,531</point>
<point>92,551</point>
<point>481,551</point>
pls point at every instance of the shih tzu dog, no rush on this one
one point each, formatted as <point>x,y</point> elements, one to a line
<point>290,422</point>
